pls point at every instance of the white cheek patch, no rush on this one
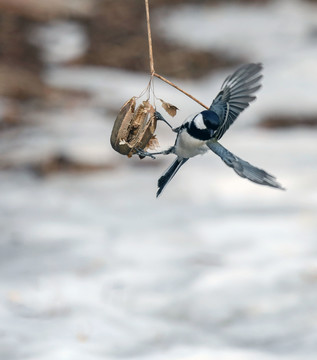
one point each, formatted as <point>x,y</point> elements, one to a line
<point>199,122</point>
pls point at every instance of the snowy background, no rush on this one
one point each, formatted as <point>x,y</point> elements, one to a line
<point>92,266</point>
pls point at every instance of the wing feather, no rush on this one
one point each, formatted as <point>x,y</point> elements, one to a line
<point>235,95</point>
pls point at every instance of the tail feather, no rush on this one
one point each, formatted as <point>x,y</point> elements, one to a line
<point>169,174</point>
<point>243,168</point>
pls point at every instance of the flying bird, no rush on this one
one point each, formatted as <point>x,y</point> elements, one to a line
<point>201,132</point>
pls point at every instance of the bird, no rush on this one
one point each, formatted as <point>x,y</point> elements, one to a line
<point>202,131</point>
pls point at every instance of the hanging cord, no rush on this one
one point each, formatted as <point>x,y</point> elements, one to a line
<point>149,35</point>
<point>151,58</point>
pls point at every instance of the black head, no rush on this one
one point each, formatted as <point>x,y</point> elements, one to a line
<point>211,119</point>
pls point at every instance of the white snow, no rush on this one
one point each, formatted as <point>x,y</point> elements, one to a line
<point>59,41</point>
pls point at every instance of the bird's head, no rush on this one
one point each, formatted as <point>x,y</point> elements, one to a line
<point>210,119</point>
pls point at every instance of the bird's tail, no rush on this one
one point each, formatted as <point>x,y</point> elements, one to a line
<point>169,174</point>
<point>243,168</point>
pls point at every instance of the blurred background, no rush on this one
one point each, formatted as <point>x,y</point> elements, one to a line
<point>92,266</point>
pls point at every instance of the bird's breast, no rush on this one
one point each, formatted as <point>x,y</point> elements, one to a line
<point>186,146</point>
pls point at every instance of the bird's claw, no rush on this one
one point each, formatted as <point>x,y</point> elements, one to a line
<point>159,117</point>
<point>142,154</point>
<point>176,130</point>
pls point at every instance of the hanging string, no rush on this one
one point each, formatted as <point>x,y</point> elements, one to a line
<point>151,58</point>
<point>149,35</point>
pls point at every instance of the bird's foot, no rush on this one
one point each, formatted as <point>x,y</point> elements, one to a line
<point>159,117</point>
<point>142,154</point>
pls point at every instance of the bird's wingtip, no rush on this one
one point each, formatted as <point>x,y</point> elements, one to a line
<point>280,187</point>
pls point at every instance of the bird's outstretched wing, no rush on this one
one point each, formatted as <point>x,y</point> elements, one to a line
<point>243,168</point>
<point>235,95</point>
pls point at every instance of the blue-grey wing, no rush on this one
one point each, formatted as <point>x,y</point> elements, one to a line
<point>235,95</point>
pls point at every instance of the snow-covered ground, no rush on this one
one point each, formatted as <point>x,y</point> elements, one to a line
<point>94,267</point>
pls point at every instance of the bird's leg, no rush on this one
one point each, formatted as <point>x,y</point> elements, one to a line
<point>142,153</point>
<point>160,117</point>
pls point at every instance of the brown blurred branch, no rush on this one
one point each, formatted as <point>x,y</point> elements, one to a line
<point>43,10</point>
